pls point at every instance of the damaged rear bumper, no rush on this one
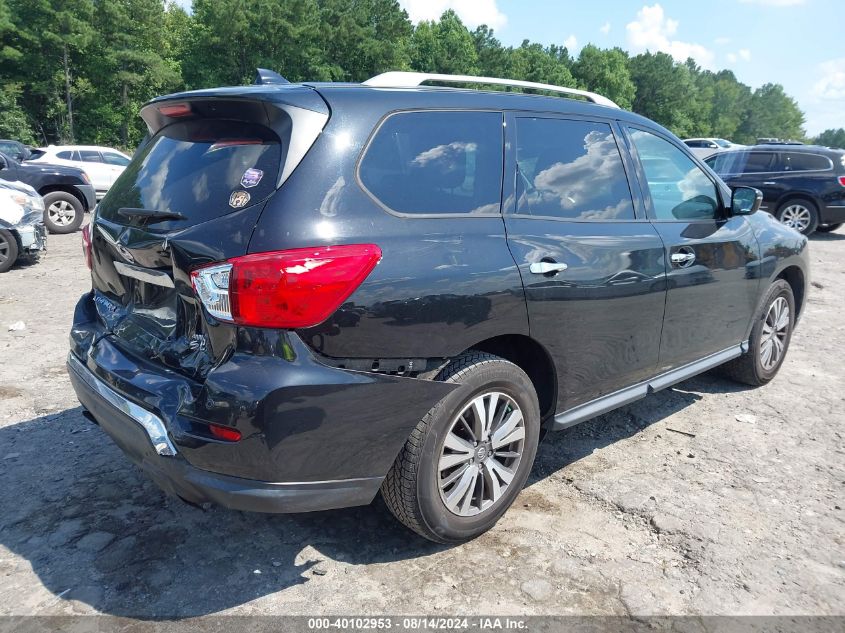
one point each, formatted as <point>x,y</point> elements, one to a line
<point>143,438</point>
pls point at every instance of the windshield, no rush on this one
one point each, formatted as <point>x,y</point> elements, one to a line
<point>200,170</point>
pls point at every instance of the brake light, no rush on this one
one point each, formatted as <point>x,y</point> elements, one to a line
<point>86,246</point>
<point>175,110</point>
<point>224,433</point>
<point>284,289</point>
<point>842,180</point>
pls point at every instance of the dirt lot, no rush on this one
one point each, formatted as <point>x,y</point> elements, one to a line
<point>704,499</point>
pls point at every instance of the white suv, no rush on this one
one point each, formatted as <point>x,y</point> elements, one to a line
<point>102,164</point>
<point>704,147</point>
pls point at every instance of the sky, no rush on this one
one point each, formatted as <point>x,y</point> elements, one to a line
<point>797,43</point>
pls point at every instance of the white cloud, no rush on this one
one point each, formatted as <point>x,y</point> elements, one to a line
<point>472,12</point>
<point>775,3</point>
<point>571,43</point>
<point>605,28</point>
<point>826,103</point>
<point>653,31</point>
<point>744,54</point>
<point>831,85</point>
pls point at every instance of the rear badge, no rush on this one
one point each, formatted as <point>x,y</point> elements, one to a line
<point>238,199</point>
<point>251,177</point>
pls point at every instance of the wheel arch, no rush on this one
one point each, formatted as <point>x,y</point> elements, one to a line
<point>794,276</point>
<point>530,356</point>
<point>70,189</point>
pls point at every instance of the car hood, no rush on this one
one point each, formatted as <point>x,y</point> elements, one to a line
<point>48,168</point>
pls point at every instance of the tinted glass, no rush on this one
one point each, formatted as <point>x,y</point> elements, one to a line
<point>679,189</point>
<point>758,162</point>
<point>806,162</point>
<point>115,159</point>
<point>89,156</point>
<point>195,167</point>
<point>693,143</point>
<point>570,170</point>
<point>64,155</point>
<point>436,162</point>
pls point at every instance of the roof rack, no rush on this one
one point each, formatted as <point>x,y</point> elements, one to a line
<point>400,79</point>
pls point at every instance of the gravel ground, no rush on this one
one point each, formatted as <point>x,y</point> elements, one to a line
<point>709,498</point>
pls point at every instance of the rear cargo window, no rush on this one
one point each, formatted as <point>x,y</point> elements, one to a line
<point>199,169</point>
<point>807,162</point>
<point>436,163</point>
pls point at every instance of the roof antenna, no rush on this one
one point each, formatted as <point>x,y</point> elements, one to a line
<point>264,76</point>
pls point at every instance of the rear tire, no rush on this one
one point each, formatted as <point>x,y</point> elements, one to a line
<point>799,214</point>
<point>63,212</point>
<point>445,487</point>
<point>8,250</point>
<point>772,332</point>
<point>827,228</point>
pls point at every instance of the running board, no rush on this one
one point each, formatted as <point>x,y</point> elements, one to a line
<point>617,399</point>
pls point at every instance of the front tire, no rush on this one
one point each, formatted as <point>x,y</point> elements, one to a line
<point>469,457</point>
<point>799,214</point>
<point>63,212</point>
<point>8,250</point>
<point>769,340</point>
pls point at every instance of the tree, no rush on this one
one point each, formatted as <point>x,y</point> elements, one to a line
<point>731,100</point>
<point>51,36</point>
<point>492,56</point>
<point>606,72</point>
<point>771,113</point>
<point>362,38</point>
<point>832,138</point>
<point>664,91</point>
<point>533,62</point>
<point>445,46</point>
<point>13,123</point>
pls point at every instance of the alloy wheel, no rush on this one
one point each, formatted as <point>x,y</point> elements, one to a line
<point>775,331</point>
<point>5,247</point>
<point>481,453</point>
<point>61,213</point>
<point>796,216</point>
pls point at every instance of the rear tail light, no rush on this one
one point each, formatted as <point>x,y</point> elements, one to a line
<point>225,433</point>
<point>284,289</point>
<point>86,246</point>
<point>842,180</point>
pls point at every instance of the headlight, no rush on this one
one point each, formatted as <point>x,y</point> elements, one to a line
<point>86,178</point>
<point>36,203</point>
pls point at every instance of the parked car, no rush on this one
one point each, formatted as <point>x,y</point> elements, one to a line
<point>67,191</point>
<point>102,164</point>
<point>803,185</point>
<point>15,149</point>
<point>704,147</point>
<point>22,233</point>
<point>304,294</point>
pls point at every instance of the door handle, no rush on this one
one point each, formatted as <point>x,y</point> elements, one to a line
<point>544,268</point>
<point>684,258</point>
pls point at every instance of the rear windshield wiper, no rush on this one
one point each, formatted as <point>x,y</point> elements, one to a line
<point>150,215</point>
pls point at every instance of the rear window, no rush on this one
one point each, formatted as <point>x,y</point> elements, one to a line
<point>806,162</point>
<point>200,169</point>
<point>436,163</point>
<point>66,155</point>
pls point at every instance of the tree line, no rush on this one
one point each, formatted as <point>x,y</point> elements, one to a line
<point>79,70</point>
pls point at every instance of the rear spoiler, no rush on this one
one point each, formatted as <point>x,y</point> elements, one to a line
<point>295,112</point>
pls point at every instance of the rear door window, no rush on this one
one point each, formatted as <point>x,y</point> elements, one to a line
<point>66,155</point>
<point>436,162</point>
<point>807,162</point>
<point>570,170</point>
<point>115,159</point>
<point>201,169</point>
<point>760,162</point>
<point>90,156</point>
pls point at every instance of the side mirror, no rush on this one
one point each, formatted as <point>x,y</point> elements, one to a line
<point>746,200</point>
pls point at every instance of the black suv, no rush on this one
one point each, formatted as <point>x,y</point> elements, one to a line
<point>803,185</point>
<point>307,294</point>
<point>67,191</point>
